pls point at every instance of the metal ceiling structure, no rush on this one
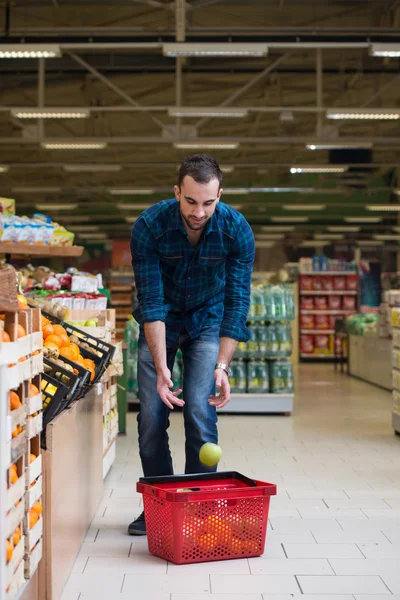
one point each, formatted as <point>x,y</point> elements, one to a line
<point>314,57</point>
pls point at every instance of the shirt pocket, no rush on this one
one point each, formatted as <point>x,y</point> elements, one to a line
<point>172,260</point>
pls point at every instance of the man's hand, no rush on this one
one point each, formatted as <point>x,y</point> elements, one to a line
<point>222,382</point>
<point>164,385</point>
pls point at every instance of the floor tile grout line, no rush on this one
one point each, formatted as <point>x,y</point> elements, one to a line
<point>383,533</point>
<point>123,583</point>
<point>86,563</point>
<point>298,583</point>
<point>209,579</point>
<point>329,563</point>
<point>358,546</point>
<point>385,584</point>
<point>95,537</point>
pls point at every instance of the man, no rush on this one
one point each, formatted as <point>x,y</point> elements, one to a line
<point>192,258</point>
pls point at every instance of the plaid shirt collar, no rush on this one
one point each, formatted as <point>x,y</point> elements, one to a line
<point>176,221</point>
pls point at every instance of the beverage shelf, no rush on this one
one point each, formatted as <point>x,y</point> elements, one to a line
<point>316,331</point>
<point>341,273</point>
<point>327,312</point>
<point>328,293</point>
<point>317,356</point>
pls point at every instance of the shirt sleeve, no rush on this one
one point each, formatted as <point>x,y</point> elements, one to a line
<point>148,276</point>
<point>239,268</point>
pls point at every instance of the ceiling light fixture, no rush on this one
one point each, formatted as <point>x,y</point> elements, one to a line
<point>133,206</point>
<point>206,145</point>
<point>47,206</point>
<point>343,229</point>
<point>338,145</point>
<point>277,228</point>
<point>362,219</point>
<point>385,50</point>
<point>236,206</point>
<point>328,236</point>
<point>269,236</point>
<point>264,244</point>
<point>236,191</point>
<point>227,168</point>
<point>130,219</point>
<point>92,168</point>
<point>131,191</point>
<point>369,242</point>
<point>314,243</point>
<point>387,237</point>
<point>36,190</point>
<point>290,219</point>
<point>29,50</point>
<point>304,206</point>
<point>84,228</point>
<point>3,168</point>
<point>74,146</point>
<point>372,114</point>
<point>321,169</point>
<point>383,207</point>
<point>50,113</point>
<point>216,111</point>
<point>214,49</point>
<point>95,236</point>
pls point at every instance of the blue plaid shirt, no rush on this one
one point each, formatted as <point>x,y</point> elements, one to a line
<point>193,287</point>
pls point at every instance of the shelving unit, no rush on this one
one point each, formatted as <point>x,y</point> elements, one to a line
<point>396,370</point>
<point>40,251</point>
<point>121,287</point>
<point>321,295</point>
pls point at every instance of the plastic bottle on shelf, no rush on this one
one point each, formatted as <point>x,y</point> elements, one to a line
<point>269,301</point>
<point>258,304</point>
<point>241,350</point>
<point>290,303</point>
<point>315,263</point>
<point>262,340</point>
<point>323,263</point>
<point>257,377</point>
<point>264,377</point>
<point>272,337</point>
<point>241,377</point>
<point>284,335</point>
<point>233,378</point>
<point>277,378</point>
<point>252,345</point>
<point>288,380</point>
<point>280,302</point>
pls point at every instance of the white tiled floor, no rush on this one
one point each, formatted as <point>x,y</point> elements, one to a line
<point>334,531</point>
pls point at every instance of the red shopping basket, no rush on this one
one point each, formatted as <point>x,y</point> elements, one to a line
<point>210,516</point>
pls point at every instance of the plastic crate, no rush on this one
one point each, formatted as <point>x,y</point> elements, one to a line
<point>205,517</point>
<point>55,397</point>
<point>71,380</point>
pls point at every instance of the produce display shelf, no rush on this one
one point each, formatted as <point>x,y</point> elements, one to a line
<point>330,273</point>
<point>328,293</point>
<point>327,312</point>
<point>109,457</point>
<point>40,251</point>
<point>318,356</point>
<point>259,403</point>
<point>316,331</point>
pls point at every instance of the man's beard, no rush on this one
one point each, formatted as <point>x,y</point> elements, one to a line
<point>192,225</point>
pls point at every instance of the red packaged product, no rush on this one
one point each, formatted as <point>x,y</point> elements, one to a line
<point>327,283</point>
<point>321,322</point>
<point>349,302</point>
<point>332,321</point>
<point>317,284</point>
<point>321,303</point>
<point>322,344</point>
<point>339,283</point>
<point>307,322</point>
<point>335,302</point>
<point>307,344</point>
<point>352,283</point>
<point>306,283</point>
<point>307,302</point>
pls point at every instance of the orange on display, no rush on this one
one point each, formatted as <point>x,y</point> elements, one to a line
<point>20,331</point>
<point>47,330</point>
<point>9,551</point>
<point>37,507</point>
<point>54,339</point>
<point>33,390</point>
<point>32,458</point>
<point>15,401</point>
<point>75,349</point>
<point>59,330</point>
<point>33,518</point>
<point>4,336</point>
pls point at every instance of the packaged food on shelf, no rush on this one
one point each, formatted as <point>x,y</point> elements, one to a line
<point>306,283</point>
<point>349,302</point>
<point>321,302</point>
<point>327,283</point>
<point>317,284</point>
<point>352,282</point>
<point>307,321</point>
<point>307,303</point>
<point>334,302</point>
<point>321,321</point>
<point>339,283</point>
<point>323,344</point>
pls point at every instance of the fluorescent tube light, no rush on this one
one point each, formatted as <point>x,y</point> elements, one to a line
<point>371,114</point>
<point>214,49</point>
<point>369,243</point>
<point>328,236</point>
<point>236,191</point>
<point>290,219</point>
<point>304,206</point>
<point>206,145</point>
<point>130,219</point>
<point>334,146</point>
<point>227,168</point>
<point>216,111</point>
<point>50,113</point>
<point>131,191</point>
<point>236,206</point>
<point>385,50</point>
<point>264,244</point>
<point>92,168</point>
<point>29,50</point>
<point>47,206</point>
<point>321,169</point>
<point>314,243</point>
<point>384,207</point>
<point>386,237</point>
<point>133,206</point>
<point>277,228</point>
<point>343,229</point>
<point>78,219</point>
<point>95,236</point>
<point>269,236</point>
<point>84,228</point>
<point>282,190</point>
<point>74,146</point>
<point>36,190</point>
<point>362,219</point>
<point>3,168</point>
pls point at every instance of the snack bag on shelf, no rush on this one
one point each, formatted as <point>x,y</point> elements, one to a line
<point>321,321</point>
<point>306,283</point>
<point>307,302</point>
<point>349,302</point>
<point>317,284</point>
<point>327,283</point>
<point>321,303</point>
<point>307,344</point>
<point>332,321</point>
<point>322,344</point>
<point>339,283</point>
<point>351,282</point>
<point>335,302</point>
<point>307,322</point>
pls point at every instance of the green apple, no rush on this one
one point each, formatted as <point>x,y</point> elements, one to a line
<point>210,454</point>
<point>91,323</point>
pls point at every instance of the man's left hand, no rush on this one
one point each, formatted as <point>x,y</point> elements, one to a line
<point>222,382</point>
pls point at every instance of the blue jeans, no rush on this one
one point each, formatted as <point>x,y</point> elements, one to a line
<point>200,419</point>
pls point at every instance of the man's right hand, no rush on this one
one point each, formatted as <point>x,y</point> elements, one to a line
<point>164,385</point>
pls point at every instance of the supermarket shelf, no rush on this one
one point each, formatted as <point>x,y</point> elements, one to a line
<point>317,356</point>
<point>316,331</point>
<point>396,421</point>
<point>330,273</point>
<point>327,312</point>
<point>329,293</point>
<point>121,288</point>
<point>259,403</point>
<point>121,303</point>
<point>109,457</point>
<point>40,251</point>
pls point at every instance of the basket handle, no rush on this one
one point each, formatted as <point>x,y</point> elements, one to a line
<point>262,488</point>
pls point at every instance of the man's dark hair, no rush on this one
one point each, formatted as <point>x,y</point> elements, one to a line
<point>201,167</point>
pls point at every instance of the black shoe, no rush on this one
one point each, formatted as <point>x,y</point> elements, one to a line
<point>138,527</point>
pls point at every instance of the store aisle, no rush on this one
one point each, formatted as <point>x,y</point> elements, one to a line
<point>334,526</point>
